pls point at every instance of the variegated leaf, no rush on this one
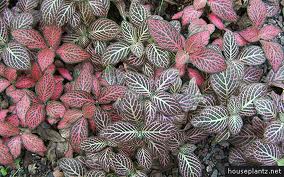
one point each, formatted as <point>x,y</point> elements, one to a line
<point>244,137</point>
<point>16,56</point>
<point>115,53</point>
<point>122,164</point>
<point>266,154</point>
<point>223,9</point>
<point>104,29</point>
<point>166,79</point>
<point>35,115</point>
<point>22,21</point>
<point>230,46</point>
<point>27,5</point>
<point>211,119</point>
<point>225,83</point>
<point>143,32</point>
<point>144,158</point>
<point>131,107</point>
<point>252,75</point>
<point>248,95</point>
<point>76,98</point>
<point>65,12</point>
<point>189,165</point>
<point>111,93</point>
<point>78,133</point>
<point>45,87</point>
<point>93,144</point>
<point>33,143</point>
<point>274,132</point>
<point>100,7</point>
<point>138,83</point>
<point>49,9</point>
<point>257,12</point>
<point>166,103</point>
<point>71,53</point>
<point>266,107</point>
<point>119,132</point>
<point>102,119</point>
<point>129,32</point>
<point>158,131</point>
<point>137,49</point>
<point>235,123</point>
<point>137,13</point>
<point>165,35</point>
<point>252,55</point>
<point>157,56</point>
<point>274,54</point>
<point>72,167</point>
<point>150,111</point>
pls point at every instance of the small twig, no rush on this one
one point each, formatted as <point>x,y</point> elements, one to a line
<point>160,7</point>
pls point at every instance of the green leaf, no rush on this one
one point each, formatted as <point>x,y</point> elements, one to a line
<point>280,162</point>
<point>3,171</point>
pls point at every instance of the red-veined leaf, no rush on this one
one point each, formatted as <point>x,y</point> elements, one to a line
<point>24,82</point>
<point>199,4</point>
<point>30,38</point>
<point>250,34</point>
<point>165,35</point>
<point>4,84</point>
<point>6,157</point>
<point>84,80</point>
<point>76,98</point>
<point>197,41</point>
<point>35,115</point>
<point>224,9</point>
<point>52,34</point>
<point>33,143</point>
<point>45,58</point>
<point>22,107</point>
<point>257,12</point>
<point>55,109</point>
<point>7,129</point>
<point>269,32</point>
<point>208,60</point>
<point>45,87</point>
<point>111,93</point>
<point>15,145</point>
<point>70,116</point>
<point>78,133</point>
<point>71,53</point>
<point>274,54</point>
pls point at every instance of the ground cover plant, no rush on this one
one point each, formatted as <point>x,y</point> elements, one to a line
<point>114,88</point>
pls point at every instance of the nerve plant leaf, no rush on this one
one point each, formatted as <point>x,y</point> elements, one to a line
<point>72,167</point>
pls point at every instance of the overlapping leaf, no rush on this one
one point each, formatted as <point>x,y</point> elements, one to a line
<point>78,133</point>
<point>122,164</point>
<point>100,7</point>
<point>137,13</point>
<point>211,119</point>
<point>49,9</point>
<point>138,83</point>
<point>266,107</point>
<point>104,29</point>
<point>166,79</point>
<point>76,98</point>
<point>158,131</point>
<point>231,48</point>
<point>65,12</point>
<point>144,158</point>
<point>33,143</point>
<point>189,165</point>
<point>72,167</point>
<point>274,132</point>
<point>257,12</point>
<point>252,55</point>
<point>45,87</point>
<point>71,53</point>
<point>224,9</point>
<point>115,53</point>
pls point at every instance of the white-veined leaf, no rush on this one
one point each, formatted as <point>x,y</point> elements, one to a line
<point>65,13</point>
<point>93,144</point>
<point>158,131</point>
<point>49,9</point>
<point>189,165</point>
<point>158,56</point>
<point>122,164</point>
<point>16,56</point>
<point>166,79</point>
<point>115,53</point>
<point>137,13</point>
<point>230,46</point>
<point>166,103</point>
<point>144,158</point>
<point>266,107</point>
<point>104,29</point>
<point>100,7</point>
<point>252,55</point>
<point>274,132</point>
<point>72,167</point>
<point>248,95</point>
<point>119,132</point>
<point>129,32</point>
<point>22,21</point>
<point>235,124</point>
<point>138,83</point>
<point>211,119</point>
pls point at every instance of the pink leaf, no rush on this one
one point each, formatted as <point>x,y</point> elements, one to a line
<point>25,82</point>
<point>7,129</point>
<point>77,98</point>
<point>45,87</point>
<point>165,35</point>
<point>15,145</point>
<point>199,4</point>
<point>84,80</point>
<point>45,58</point>
<point>30,38</point>
<point>274,54</point>
<point>79,132</point>
<point>111,93</point>
<point>197,41</point>
<point>269,32</point>
<point>53,35</point>
<point>257,12</point>
<point>208,60</point>
<point>177,15</point>
<point>33,143</point>
<point>189,14</point>
<point>70,116</point>
<point>250,34</point>
<point>65,73</point>
<point>216,21</point>
<point>3,84</point>
<point>240,40</point>
<point>71,53</point>
<point>22,108</point>
<point>3,114</point>
<point>223,9</point>
<point>36,71</point>
<point>181,59</point>
<point>35,116</point>
<point>6,157</point>
<point>58,88</point>
<point>55,109</point>
<point>193,73</point>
